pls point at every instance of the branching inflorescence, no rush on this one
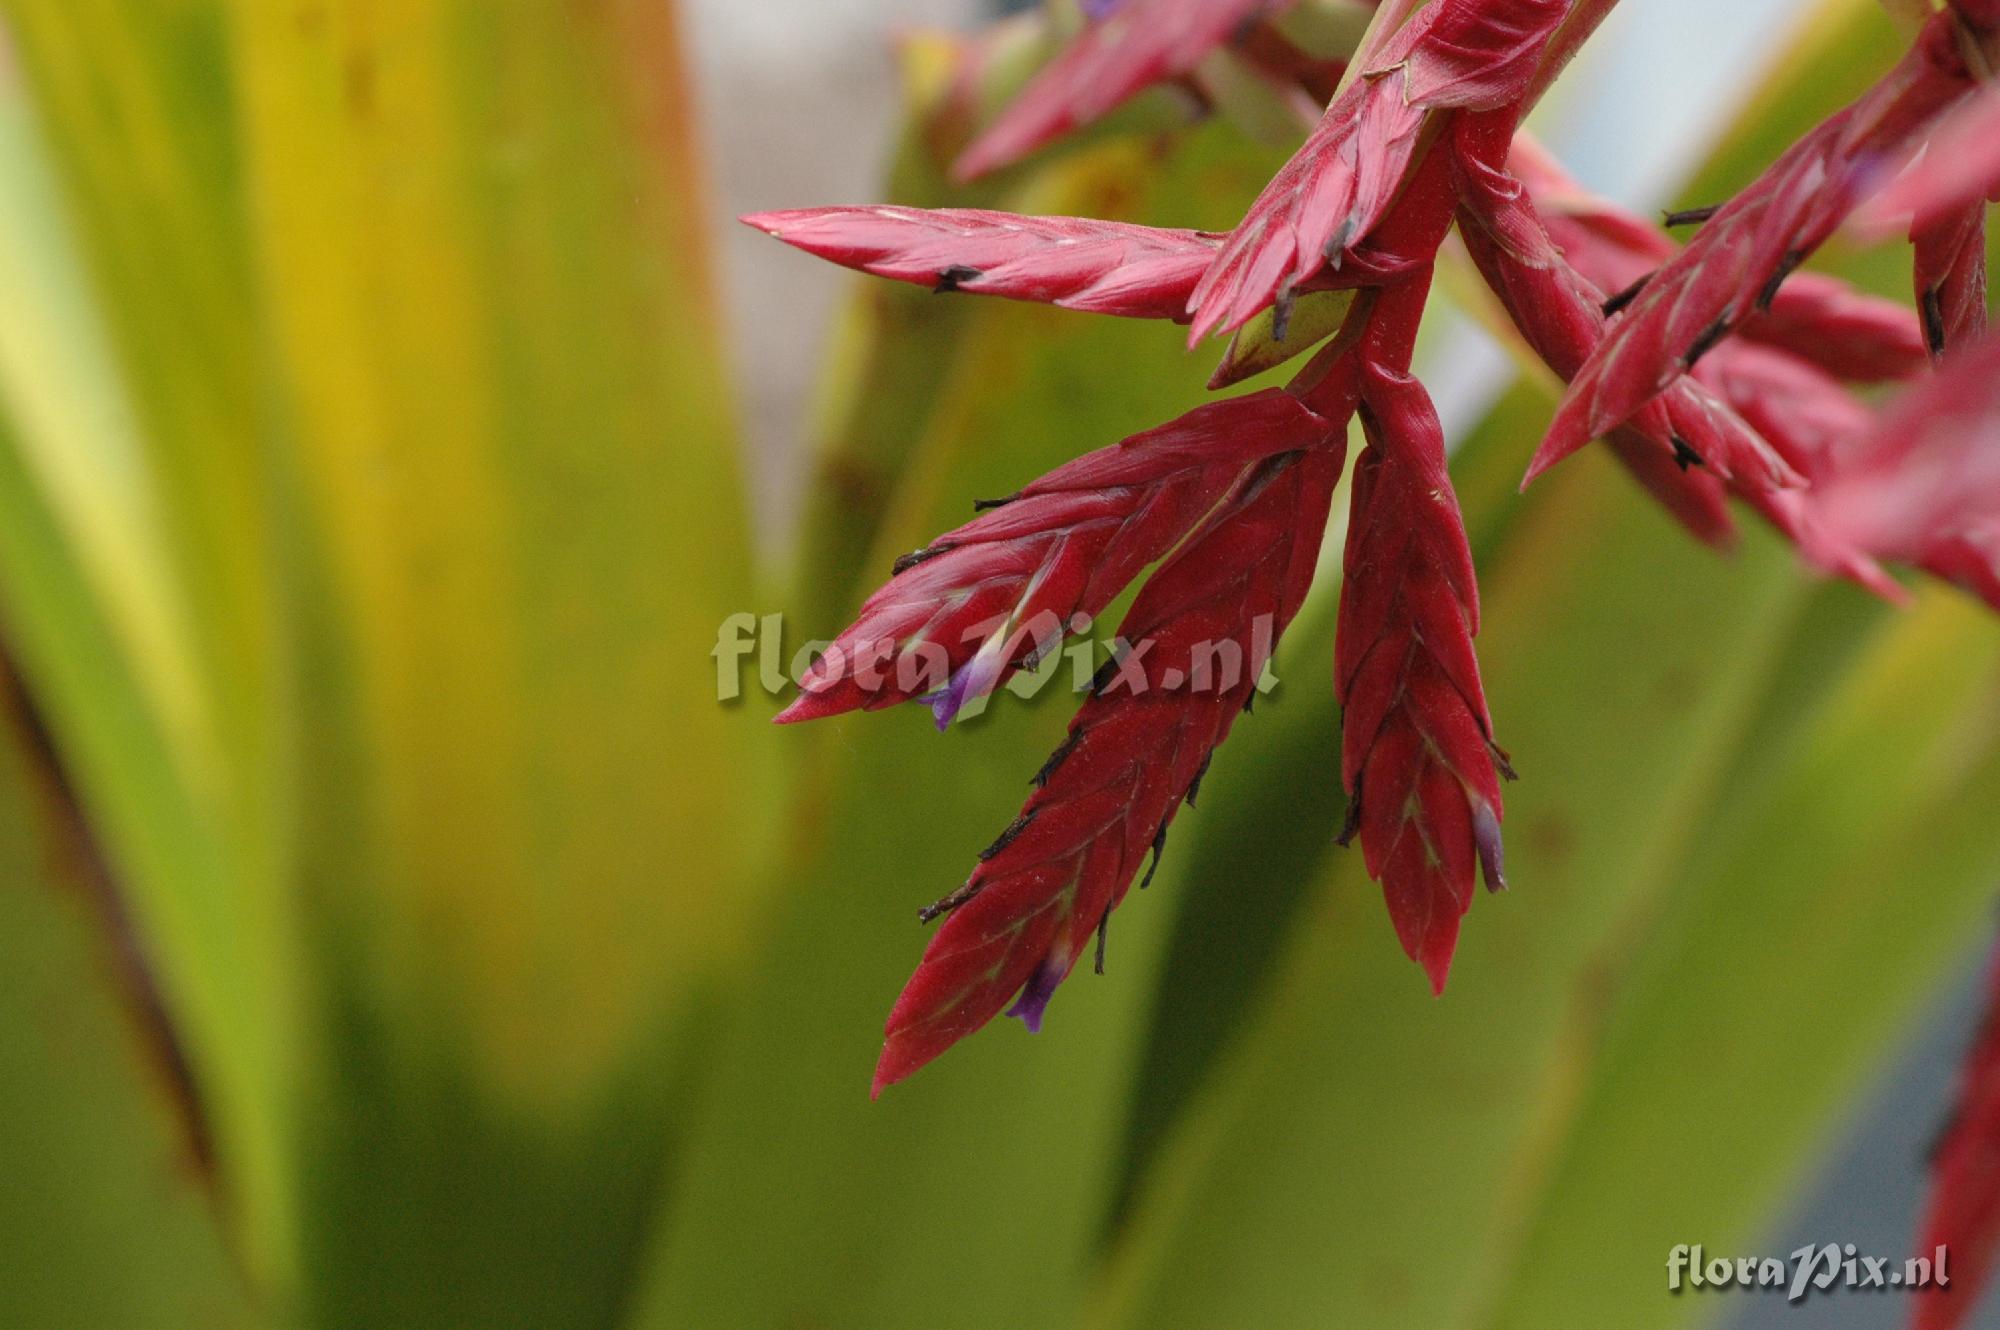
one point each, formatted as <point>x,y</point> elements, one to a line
<point>1713,369</point>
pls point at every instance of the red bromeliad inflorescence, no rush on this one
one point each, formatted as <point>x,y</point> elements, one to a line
<point>1713,370</point>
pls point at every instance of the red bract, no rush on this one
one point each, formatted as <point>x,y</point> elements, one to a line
<point>1473,54</point>
<point>1135,751</point>
<point>1007,588</point>
<point>1132,47</point>
<point>1924,489</point>
<point>1417,742</point>
<point>1753,387</point>
<point>1802,411</point>
<point>1736,264</point>
<point>1963,1214</point>
<point>1852,336</point>
<point>1417,753</point>
<point>1849,334</point>
<point>1560,313</point>
<point>1558,310</point>
<point>1079,263</point>
<point>1817,425</point>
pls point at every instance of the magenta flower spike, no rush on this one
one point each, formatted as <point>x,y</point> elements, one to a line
<point>1715,372</point>
<point>1739,260</point>
<point>1135,753</point>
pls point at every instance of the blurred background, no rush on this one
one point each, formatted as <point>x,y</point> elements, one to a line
<point>399,932</point>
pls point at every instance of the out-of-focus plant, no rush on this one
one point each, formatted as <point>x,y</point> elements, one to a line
<point>401,932</point>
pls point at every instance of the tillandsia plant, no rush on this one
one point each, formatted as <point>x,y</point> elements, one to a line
<point>370,506</point>
<point>1713,369</point>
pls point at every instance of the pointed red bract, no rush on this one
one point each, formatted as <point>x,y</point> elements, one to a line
<point>1417,743</point>
<point>1313,211</point>
<point>1735,265</point>
<point>1924,488</point>
<point>1139,272</point>
<point>1202,630</point>
<point>1741,257</point>
<point>1848,333</point>
<point>1793,408</point>
<point>1962,1216</point>
<point>1559,314</point>
<point>1138,44</point>
<point>1416,754</point>
<point>1806,414</point>
<point>1851,335</point>
<point>1007,588</point>
<point>1471,54</point>
<point>1559,311</point>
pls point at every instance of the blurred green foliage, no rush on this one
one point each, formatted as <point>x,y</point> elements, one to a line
<point>398,932</point>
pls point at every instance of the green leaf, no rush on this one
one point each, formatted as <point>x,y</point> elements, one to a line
<point>1909,14</point>
<point>135,575</point>
<point>529,837</point>
<point>1824,904</point>
<point>106,1216</point>
<point>1330,29</point>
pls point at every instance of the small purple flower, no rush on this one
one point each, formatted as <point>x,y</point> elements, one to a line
<point>1033,1003</point>
<point>946,702</point>
<point>1486,835</point>
<point>1099,10</point>
<point>975,679</point>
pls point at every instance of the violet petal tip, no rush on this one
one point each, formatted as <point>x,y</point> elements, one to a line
<point>1033,1004</point>
<point>1492,852</point>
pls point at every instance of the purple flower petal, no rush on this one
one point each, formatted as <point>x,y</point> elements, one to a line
<point>1492,854</point>
<point>1099,10</point>
<point>946,701</point>
<point>1033,1003</point>
<point>974,679</point>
